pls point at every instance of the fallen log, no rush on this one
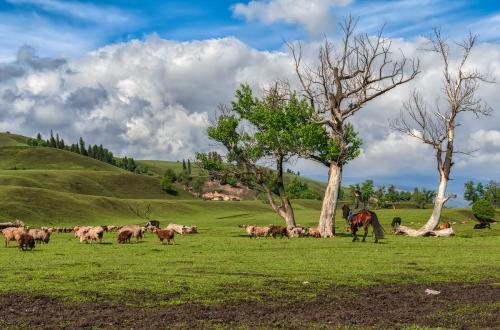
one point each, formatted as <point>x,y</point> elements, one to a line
<point>403,230</point>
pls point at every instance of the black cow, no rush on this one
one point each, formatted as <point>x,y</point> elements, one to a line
<point>152,224</point>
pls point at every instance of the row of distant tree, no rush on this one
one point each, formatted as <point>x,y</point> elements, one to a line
<point>93,151</point>
<point>382,196</point>
<point>489,192</point>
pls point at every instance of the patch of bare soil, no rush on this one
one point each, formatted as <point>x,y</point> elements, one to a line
<point>458,306</point>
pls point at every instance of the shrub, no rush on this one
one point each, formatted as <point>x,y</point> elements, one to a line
<point>166,184</point>
<point>297,189</point>
<point>483,210</point>
<point>170,174</point>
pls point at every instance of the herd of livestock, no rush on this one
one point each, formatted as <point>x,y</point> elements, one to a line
<point>26,237</point>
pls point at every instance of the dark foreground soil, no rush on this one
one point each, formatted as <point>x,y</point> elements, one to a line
<point>458,306</point>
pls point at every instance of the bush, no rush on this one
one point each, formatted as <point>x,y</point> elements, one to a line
<point>297,189</point>
<point>166,184</point>
<point>170,174</point>
<point>483,210</point>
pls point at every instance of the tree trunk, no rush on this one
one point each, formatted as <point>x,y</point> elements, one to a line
<point>438,206</point>
<point>285,210</point>
<point>403,230</point>
<point>327,217</point>
<point>428,228</point>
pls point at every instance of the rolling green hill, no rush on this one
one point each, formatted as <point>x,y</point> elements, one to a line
<point>38,184</point>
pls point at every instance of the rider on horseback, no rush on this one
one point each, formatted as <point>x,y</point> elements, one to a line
<point>357,207</point>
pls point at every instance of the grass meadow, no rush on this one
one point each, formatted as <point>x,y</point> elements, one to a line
<point>221,264</point>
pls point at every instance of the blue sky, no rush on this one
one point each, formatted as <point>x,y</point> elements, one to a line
<point>91,24</point>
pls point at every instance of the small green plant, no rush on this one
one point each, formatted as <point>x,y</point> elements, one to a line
<point>483,210</point>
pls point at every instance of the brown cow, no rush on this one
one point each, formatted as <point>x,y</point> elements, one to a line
<point>442,226</point>
<point>124,236</point>
<point>26,241</point>
<point>278,230</point>
<point>165,234</point>
<point>314,232</point>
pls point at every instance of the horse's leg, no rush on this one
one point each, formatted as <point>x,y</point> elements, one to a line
<point>365,227</point>
<point>354,230</point>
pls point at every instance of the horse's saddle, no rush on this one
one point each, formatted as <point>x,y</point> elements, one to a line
<point>357,219</point>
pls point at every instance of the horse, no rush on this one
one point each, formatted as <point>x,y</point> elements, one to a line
<point>364,218</point>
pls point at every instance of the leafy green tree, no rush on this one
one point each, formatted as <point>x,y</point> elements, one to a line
<point>366,190</point>
<point>483,210</point>
<point>422,197</point>
<point>189,166</point>
<point>470,193</point>
<point>184,168</point>
<point>492,193</point>
<point>298,189</point>
<point>274,128</point>
<point>392,195</point>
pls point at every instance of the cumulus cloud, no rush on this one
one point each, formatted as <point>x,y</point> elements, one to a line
<point>149,99</point>
<point>314,15</point>
<point>154,99</point>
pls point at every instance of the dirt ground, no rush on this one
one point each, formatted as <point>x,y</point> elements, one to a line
<point>458,306</point>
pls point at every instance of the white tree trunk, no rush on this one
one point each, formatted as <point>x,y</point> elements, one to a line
<point>438,207</point>
<point>327,216</point>
<point>428,228</point>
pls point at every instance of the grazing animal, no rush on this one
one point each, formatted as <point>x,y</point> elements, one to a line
<point>314,232</point>
<point>249,229</point>
<point>25,242</point>
<point>190,229</point>
<point>261,231</point>
<point>278,230</point>
<point>482,225</point>
<point>181,229</point>
<point>364,219</point>
<point>296,232</point>
<point>396,222</point>
<point>254,231</point>
<point>93,234</point>
<point>136,230</point>
<point>40,235</point>
<point>12,234</point>
<point>80,231</point>
<point>165,234</point>
<point>442,226</point>
<point>124,236</point>
<point>152,224</point>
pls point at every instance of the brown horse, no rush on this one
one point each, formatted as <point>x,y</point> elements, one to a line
<point>364,219</point>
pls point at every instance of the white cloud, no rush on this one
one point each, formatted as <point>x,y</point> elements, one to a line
<point>314,15</point>
<point>149,99</point>
<point>155,98</point>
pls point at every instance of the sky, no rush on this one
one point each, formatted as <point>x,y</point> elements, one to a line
<point>145,77</point>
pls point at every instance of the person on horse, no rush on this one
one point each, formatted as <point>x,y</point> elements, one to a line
<point>357,207</point>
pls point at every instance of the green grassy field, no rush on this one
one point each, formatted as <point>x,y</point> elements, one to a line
<point>220,265</point>
<point>200,266</point>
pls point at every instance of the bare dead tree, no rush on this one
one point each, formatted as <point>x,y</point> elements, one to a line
<point>436,127</point>
<point>342,81</point>
<point>143,214</point>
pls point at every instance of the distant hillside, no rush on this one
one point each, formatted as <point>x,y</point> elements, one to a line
<point>41,183</point>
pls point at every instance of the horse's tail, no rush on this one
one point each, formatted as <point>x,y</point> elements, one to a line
<point>377,227</point>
